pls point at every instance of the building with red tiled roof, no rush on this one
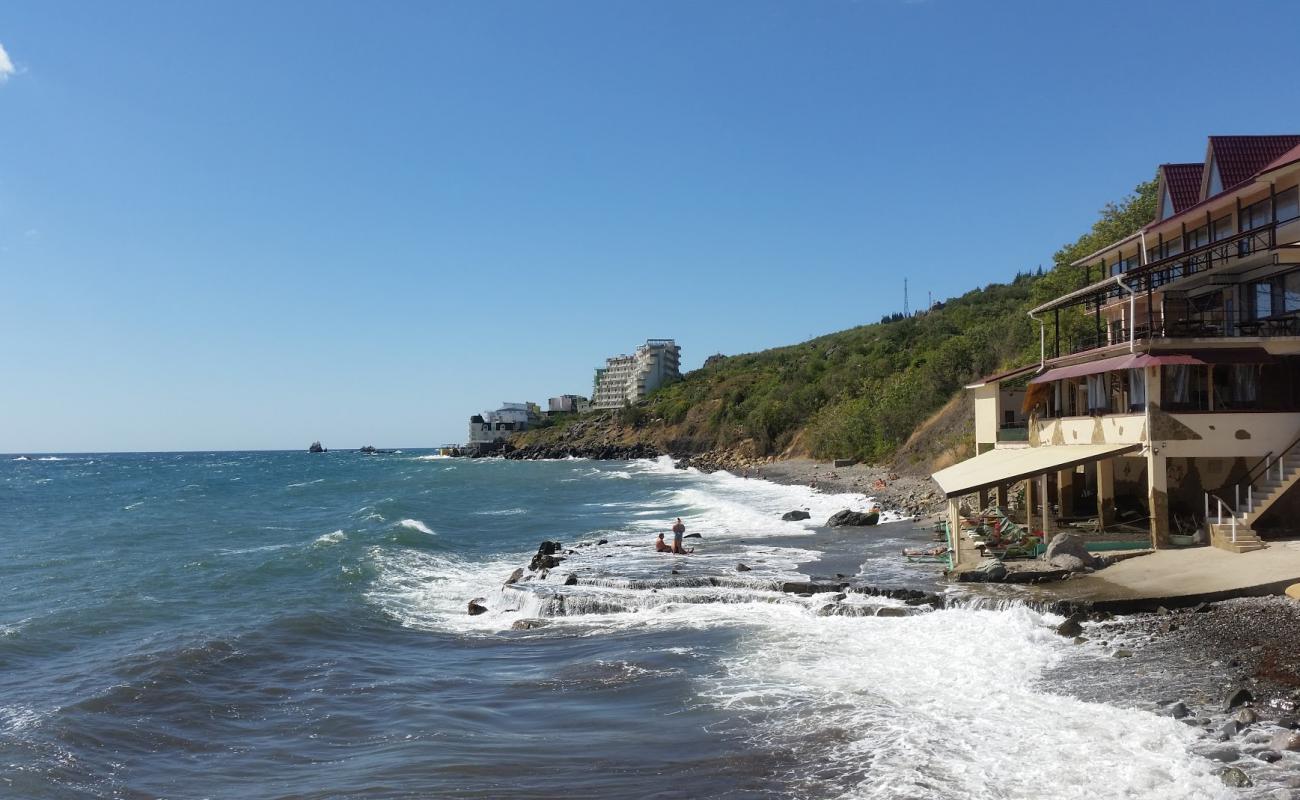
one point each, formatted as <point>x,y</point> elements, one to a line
<point>1170,376</point>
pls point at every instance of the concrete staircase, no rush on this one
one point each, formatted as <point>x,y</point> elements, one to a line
<point>1264,493</point>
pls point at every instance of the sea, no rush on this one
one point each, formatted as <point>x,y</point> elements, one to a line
<point>294,625</point>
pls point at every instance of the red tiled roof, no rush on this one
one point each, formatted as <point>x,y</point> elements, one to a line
<point>1184,184</point>
<point>1240,158</point>
<point>1289,157</point>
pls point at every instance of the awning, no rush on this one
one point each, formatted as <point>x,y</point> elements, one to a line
<point>1000,466</point>
<point>1229,355</point>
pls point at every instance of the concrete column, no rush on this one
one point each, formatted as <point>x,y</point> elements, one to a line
<point>1029,503</point>
<point>984,499</point>
<point>1047,509</point>
<point>1065,491</point>
<point>1158,497</point>
<point>954,530</point>
<point>1105,491</point>
<point>1000,494</point>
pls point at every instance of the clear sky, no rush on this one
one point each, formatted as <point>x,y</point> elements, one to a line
<point>252,225</point>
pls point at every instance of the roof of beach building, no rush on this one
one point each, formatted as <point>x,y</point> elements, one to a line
<point>1184,184</point>
<point>1241,158</point>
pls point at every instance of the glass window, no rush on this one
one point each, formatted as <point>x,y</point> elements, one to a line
<point>1291,292</point>
<point>1216,183</point>
<point>1167,205</point>
<point>1198,237</point>
<point>1262,299</point>
<point>1288,204</point>
<point>1223,227</point>
<point>1255,215</point>
<point>1173,246</point>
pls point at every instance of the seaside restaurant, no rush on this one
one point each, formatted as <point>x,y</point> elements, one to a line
<point>1165,407</point>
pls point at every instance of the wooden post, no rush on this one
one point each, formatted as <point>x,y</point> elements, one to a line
<point>1105,490</point>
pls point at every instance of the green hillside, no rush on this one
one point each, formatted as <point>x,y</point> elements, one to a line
<point>861,393</point>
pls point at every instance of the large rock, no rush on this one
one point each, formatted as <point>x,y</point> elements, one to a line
<point>792,516</point>
<point>1072,626</point>
<point>529,624</point>
<point>1285,740</point>
<point>1237,697</point>
<point>1235,778</point>
<point>476,606</point>
<point>992,569</point>
<point>515,576</point>
<point>1067,551</point>
<point>847,518</point>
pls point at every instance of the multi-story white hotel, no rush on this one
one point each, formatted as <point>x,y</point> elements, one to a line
<point>627,379</point>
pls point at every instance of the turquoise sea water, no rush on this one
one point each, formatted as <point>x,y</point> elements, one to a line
<point>293,625</point>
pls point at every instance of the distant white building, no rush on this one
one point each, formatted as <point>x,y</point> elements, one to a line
<point>627,379</point>
<point>568,403</point>
<point>491,429</point>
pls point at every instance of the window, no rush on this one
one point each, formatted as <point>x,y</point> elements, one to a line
<point>1137,388</point>
<point>1216,183</point>
<point>1198,237</point>
<point>1262,299</point>
<point>1255,215</point>
<point>1167,205</point>
<point>1222,227</point>
<point>1288,204</point>
<point>1173,246</point>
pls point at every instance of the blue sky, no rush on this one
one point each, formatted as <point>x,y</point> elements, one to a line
<point>253,225</point>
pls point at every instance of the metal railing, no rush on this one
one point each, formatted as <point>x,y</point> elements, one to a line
<point>1267,467</point>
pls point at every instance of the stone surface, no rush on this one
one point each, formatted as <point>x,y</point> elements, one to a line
<point>792,516</point>
<point>1285,740</point>
<point>477,606</point>
<point>1067,551</point>
<point>1237,697</point>
<point>847,518</point>
<point>1246,716</point>
<point>572,580</point>
<point>1179,710</point>
<point>529,624</point>
<point>1235,778</point>
<point>892,611</point>
<point>742,568</point>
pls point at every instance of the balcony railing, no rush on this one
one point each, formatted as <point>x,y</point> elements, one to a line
<point>1196,325</point>
<point>1198,259</point>
<point>1014,432</point>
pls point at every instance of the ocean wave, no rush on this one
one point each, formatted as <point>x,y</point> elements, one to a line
<point>136,504</point>
<point>331,538</point>
<point>304,483</point>
<point>504,512</point>
<point>16,718</point>
<point>415,525</point>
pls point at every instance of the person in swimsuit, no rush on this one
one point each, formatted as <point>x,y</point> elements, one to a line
<point>679,530</point>
<point>661,546</point>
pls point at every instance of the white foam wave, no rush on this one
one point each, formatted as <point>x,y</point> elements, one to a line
<point>331,538</point>
<point>415,525</point>
<point>504,512</point>
<point>434,457</point>
<point>136,504</point>
<point>304,483</point>
<point>948,704</point>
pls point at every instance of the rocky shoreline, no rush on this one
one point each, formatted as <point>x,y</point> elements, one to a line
<point>910,494</point>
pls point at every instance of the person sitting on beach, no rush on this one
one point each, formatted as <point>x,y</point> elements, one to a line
<point>679,530</point>
<point>661,546</point>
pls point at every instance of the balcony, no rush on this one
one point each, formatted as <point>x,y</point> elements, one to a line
<point>1014,432</point>
<point>1216,324</point>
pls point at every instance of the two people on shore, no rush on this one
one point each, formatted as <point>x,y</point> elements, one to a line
<point>679,530</point>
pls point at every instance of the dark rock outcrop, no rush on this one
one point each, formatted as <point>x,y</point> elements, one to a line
<point>1237,697</point>
<point>847,518</point>
<point>793,516</point>
<point>476,606</point>
<point>515,576</point>
<point>529,624</point>
<point>316,448</point>
<point>572,580</point>
<point>742,568</point>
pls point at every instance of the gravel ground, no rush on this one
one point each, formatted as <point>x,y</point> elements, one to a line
<point>915,495</point>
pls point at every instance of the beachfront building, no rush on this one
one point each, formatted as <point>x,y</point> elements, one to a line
<point>491,430</point>
<point>568,404</point>
<point>629,378</point>
<point>1172,402</point>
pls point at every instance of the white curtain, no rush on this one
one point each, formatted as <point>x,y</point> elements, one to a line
<point>1180,383</point>
<point>1137,387</point>
<point>1098,396</point>
<point>1245,383</point>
